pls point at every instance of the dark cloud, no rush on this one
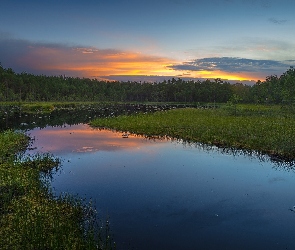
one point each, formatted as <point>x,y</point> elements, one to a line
<point>233,64</point>
<point>276,21</point>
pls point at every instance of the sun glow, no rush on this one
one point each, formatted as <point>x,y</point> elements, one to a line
<point>223,75</point>
<point>95,63</point>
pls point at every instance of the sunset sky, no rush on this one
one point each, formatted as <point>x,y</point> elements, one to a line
<point>149,39</point>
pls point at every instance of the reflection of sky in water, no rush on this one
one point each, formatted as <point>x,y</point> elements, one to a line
<point>81,138</point>
<point>164,195</point>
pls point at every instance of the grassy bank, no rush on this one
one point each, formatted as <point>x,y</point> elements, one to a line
<point>30,216</point>
<point>266,129</point>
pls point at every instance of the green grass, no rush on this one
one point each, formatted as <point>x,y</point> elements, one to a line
<point>268,130</point>
<point>31,217</point>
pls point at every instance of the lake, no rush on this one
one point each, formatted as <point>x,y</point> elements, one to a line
<point>165,194</point>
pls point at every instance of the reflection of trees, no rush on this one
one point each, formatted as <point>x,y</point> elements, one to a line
<point>283,165</point>
<point>277,162</point>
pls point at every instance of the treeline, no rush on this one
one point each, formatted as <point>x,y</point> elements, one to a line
<point>29,87</point>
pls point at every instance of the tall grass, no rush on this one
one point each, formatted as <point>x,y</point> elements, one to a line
<point>31,217</point>
<point>266,130</point>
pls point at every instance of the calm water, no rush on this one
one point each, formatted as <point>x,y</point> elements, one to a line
<point>167,195</point>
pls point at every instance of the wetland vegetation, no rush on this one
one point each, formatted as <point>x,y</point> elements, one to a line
<point>31,216</point>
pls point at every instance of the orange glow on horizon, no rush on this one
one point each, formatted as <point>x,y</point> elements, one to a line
<point>225,75</point>
<point>90,62</point>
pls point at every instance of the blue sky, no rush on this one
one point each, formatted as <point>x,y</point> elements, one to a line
<point>109,39</point>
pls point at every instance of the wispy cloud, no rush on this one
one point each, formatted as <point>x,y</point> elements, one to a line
<point>233,65</point>
<point>277,21</point>
<point>260,3</point>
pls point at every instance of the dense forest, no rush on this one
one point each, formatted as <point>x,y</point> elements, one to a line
<point>29,87</point>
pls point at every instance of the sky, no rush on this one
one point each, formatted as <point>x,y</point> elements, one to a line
<point>149,40</point>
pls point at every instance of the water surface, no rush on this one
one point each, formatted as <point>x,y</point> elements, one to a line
<point>162,194</point>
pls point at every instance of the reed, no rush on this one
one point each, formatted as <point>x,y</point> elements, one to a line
<point>268,130</point>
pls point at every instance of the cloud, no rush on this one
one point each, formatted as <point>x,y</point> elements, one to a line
<point>260,3</point>
<point>233,65</point>
<point>276,21</point>
<point>92,62</point>
<point>77,61</point>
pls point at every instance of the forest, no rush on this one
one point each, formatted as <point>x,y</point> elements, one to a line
<point>26,87</point>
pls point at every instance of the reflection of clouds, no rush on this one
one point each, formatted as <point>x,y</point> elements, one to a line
<point>83,139</point>
<point>85,149</point>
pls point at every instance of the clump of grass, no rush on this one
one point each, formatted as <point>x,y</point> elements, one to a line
<point>267,133</point>
<point>12,143</point>
<point>31,217</point>
<point>37,107</point>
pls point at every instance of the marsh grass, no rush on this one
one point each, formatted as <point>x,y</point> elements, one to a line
<point>31,217</point>
<point>268,130</point>
<point>43,107</point>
